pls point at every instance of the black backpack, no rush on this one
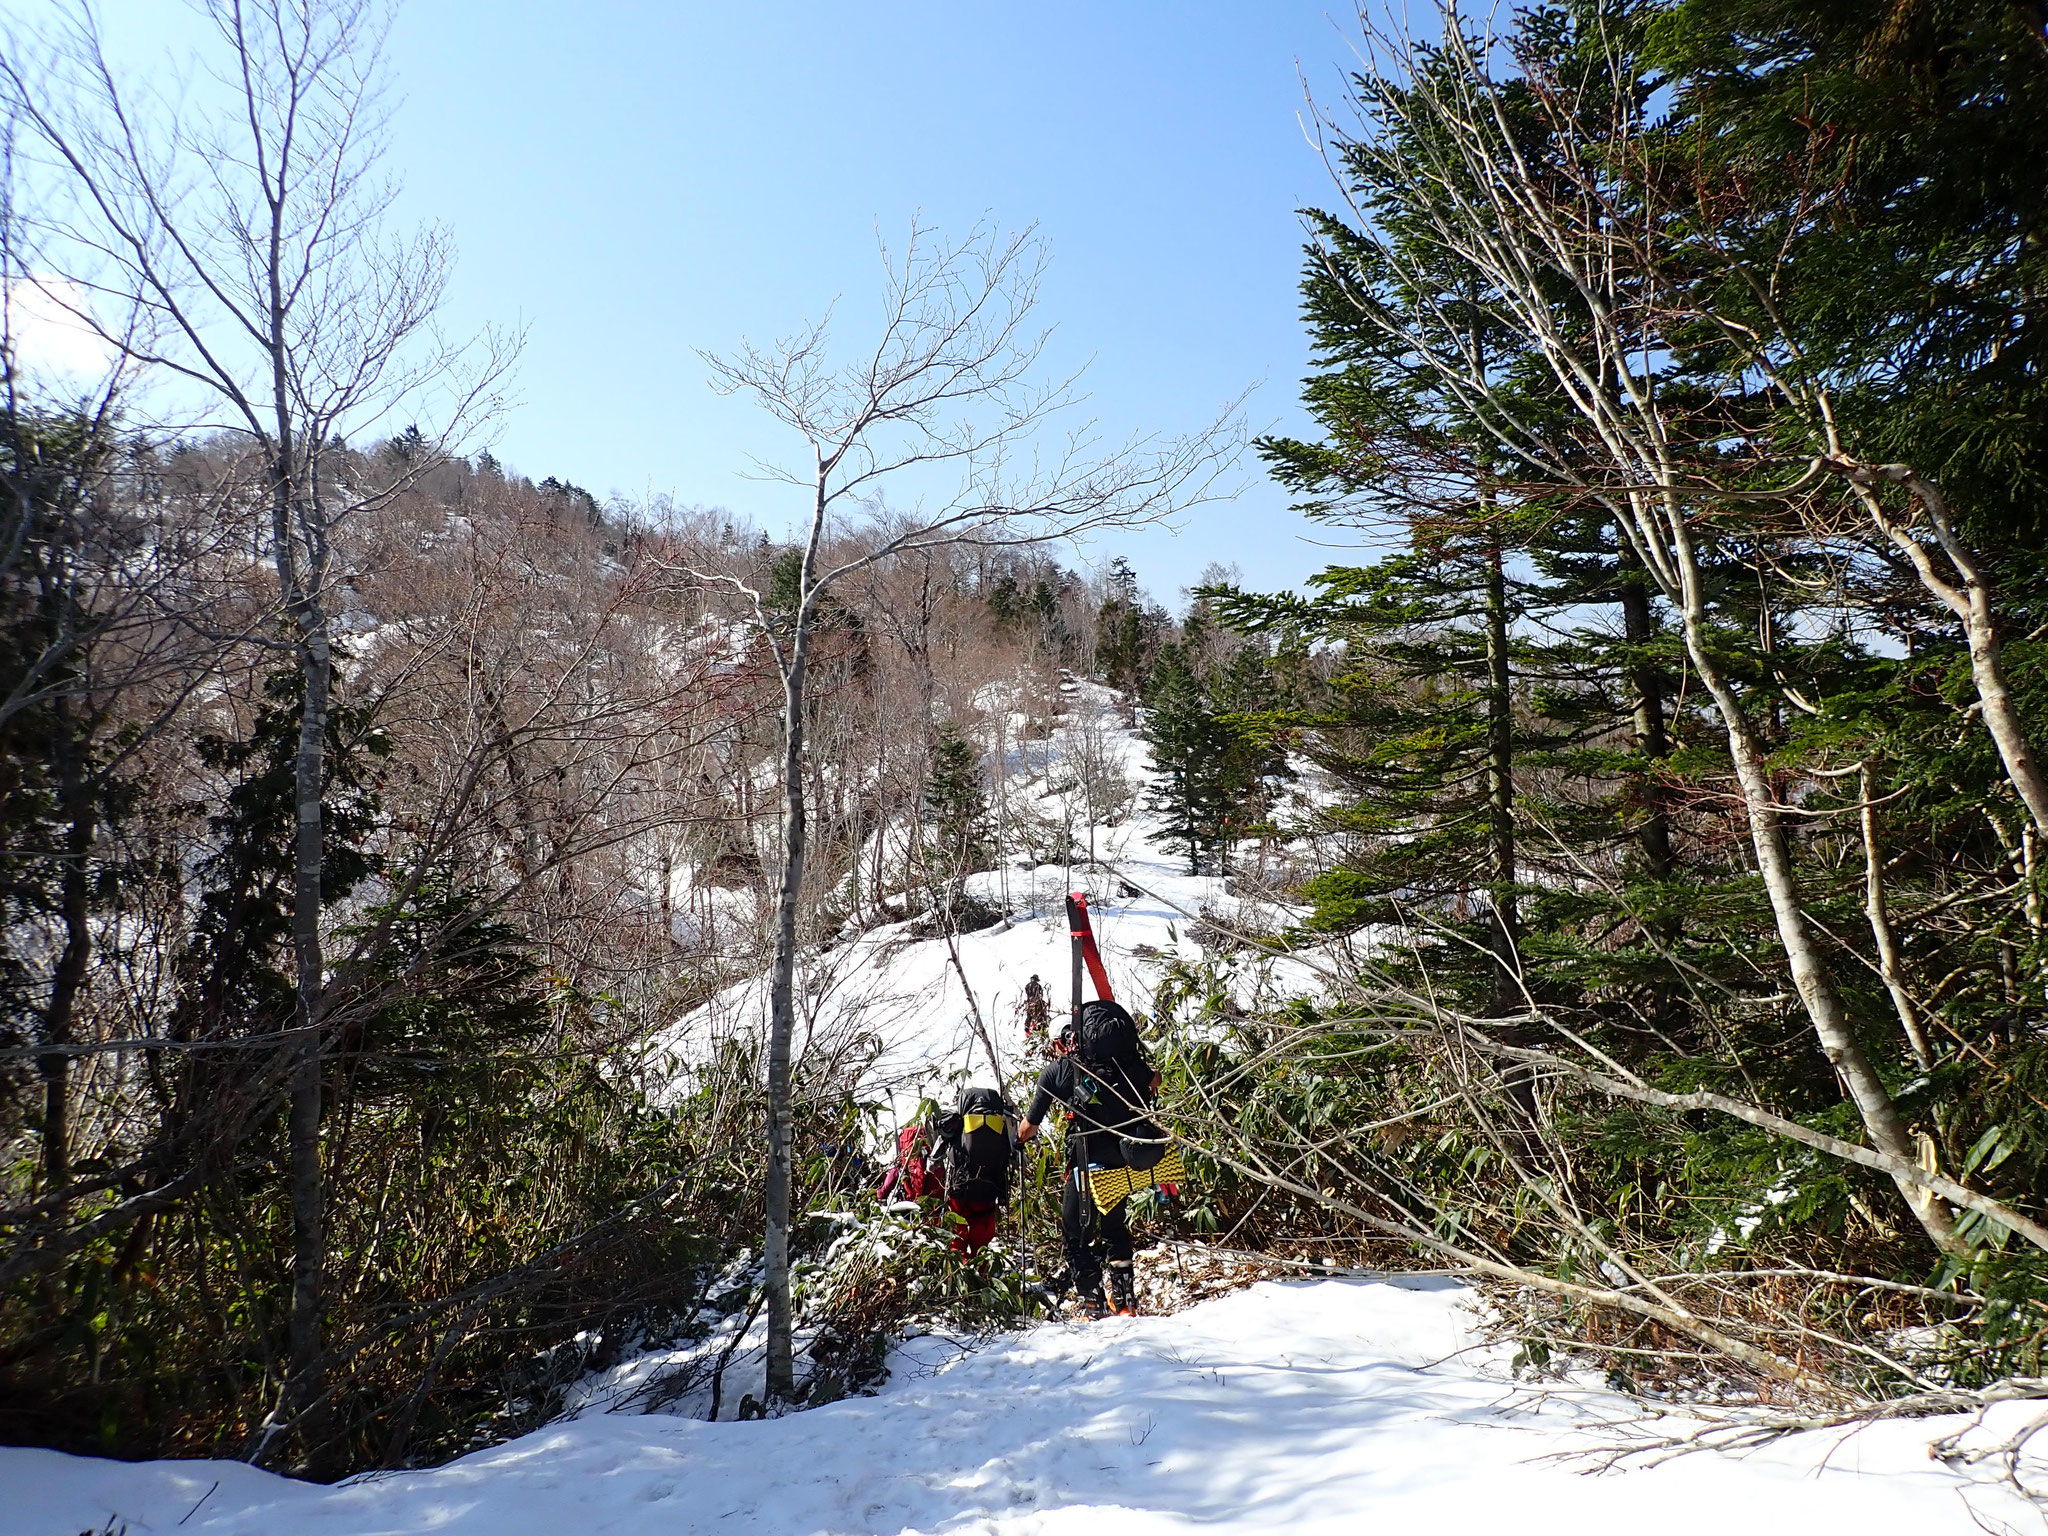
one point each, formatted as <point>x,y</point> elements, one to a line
<point>976,1147</point>
<point>1109,1051</point>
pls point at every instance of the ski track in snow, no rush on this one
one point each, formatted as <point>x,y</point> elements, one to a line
<point>1337,1405</point>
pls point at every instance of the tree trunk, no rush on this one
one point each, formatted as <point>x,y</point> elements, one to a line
<point>308,1180</point>
<point>1970,601</point>
<point>1652,741</point>
<point>2001,716</point>
<point>780,1386</point>
<point>1500,787</point>
<point>1817,992</point>
<point>1669,1004</point>
<point>60,1010</point>
<point>293,516</point>
<point>1874,908</point>
<point>526,855</point>
<point>781,1383</point>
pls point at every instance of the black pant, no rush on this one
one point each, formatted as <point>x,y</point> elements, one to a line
<point>1080,1227</point>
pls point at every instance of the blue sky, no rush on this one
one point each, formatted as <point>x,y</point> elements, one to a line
<point>635,181</point>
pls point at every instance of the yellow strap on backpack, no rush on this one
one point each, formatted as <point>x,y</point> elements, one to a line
<point>970,1123</point>
<point>1111,1185</point>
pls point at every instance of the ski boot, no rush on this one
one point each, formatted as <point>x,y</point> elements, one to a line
<point>1086,1306</point>
<point>1123,1288</point>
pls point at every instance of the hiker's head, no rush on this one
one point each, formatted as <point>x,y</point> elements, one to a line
<point>1063,1042</point>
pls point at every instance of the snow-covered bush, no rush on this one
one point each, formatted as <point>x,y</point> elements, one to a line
<point>889,1271</point>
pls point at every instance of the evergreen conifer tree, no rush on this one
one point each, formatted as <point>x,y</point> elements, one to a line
<point>956,814</point>
<point>1200,764</point>
<point>235,973</point>
<point>1128,634</point>
<point>62,863</point>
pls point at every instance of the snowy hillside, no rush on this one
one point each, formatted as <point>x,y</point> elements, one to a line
<point>898,1001</point>
<point>1329,1405</point>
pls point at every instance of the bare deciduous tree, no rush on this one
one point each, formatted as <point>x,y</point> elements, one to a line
<point>1565,258</point>
<point>245,249</point>
<point>941,405</point>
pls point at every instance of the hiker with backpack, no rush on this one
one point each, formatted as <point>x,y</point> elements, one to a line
<point>1037,1013</point>
<point>1099,1074</point>
<point>964,1157</point>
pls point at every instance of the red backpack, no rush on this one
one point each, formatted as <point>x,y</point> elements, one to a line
<point>913,1177</point>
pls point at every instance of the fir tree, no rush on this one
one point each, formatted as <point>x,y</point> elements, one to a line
<point>236,970</point>
<point>956,814</point>
<point>1128,633</point>
<point>62,806</point>
<point>1198,760</point>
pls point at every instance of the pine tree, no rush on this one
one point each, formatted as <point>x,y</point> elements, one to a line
<point>1196,760</point>
<point>956,815</point>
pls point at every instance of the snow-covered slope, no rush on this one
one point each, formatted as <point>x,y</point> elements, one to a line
<point>1321,1406</point>
<point>901,1000</point>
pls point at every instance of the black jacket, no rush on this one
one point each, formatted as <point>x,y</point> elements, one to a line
<point>1100,1113</point>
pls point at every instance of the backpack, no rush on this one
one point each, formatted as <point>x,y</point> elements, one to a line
<point>912,1178</point>
<point>1110,1052</point>
<point>975,1143</point>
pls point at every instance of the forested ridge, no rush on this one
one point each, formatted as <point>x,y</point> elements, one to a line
<point>1628,871</point>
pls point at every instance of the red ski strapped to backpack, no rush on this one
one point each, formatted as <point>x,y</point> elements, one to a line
<point>1085,952</point>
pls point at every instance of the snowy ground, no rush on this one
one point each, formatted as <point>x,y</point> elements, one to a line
<point>1329,1405</point>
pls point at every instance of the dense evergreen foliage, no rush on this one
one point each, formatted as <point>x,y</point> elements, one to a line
<point>1686,355</point>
